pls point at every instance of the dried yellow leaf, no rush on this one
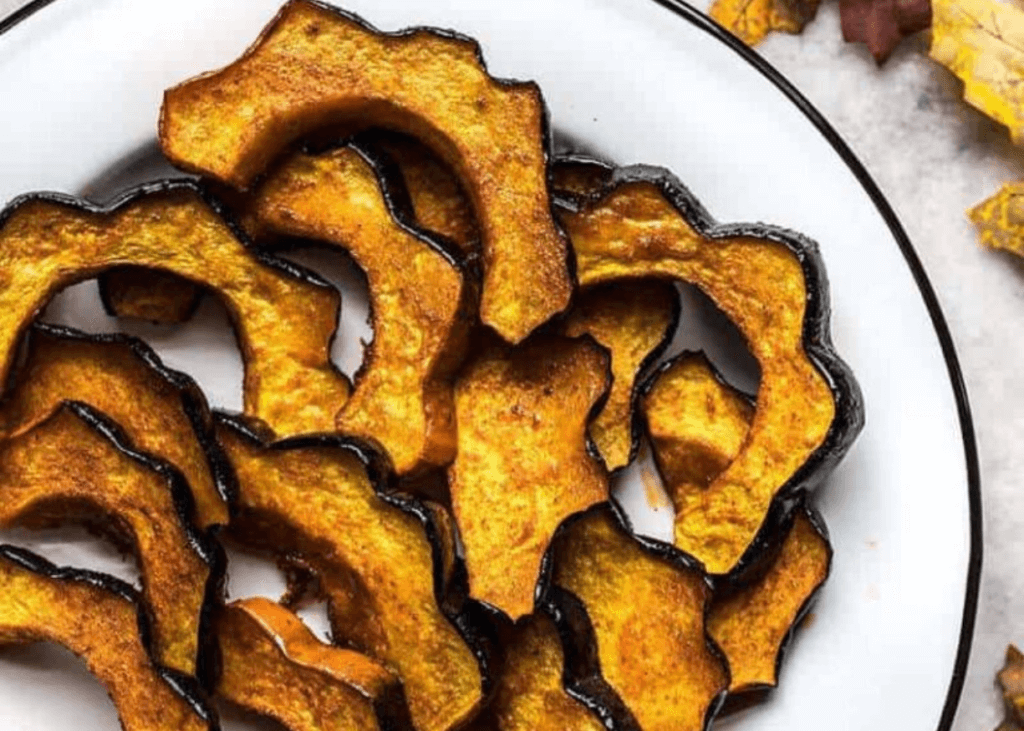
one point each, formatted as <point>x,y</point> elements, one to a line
<point>752,20</point>
<point>1000,219</point>
<point>982,42</point>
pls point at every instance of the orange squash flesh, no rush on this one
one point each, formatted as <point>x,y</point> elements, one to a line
<point>283,318</point>
<point>635,230</point>
<point>149,294</point>
<point>646,608</point>
<point>99,619</point>
<point>697,424</point>
<point>383,578</point>
<point>162,412</point>
<point>273,665</point>
<point>421,307</point>
<point>315,66</point>
<point>529,695</point>
<point>523,464</point>
<point>753,626</point>
<point>72,465</point>
<point>634,321</point>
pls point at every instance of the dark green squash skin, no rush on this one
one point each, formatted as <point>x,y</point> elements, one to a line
<point>203,544</point>
<point>753,695</point>
<point>582,677</point>
<point>185,686</point>
<point>474,621</point>
<point>817,342</point>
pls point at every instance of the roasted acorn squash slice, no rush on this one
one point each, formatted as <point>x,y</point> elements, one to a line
<point>635,610</point>
<point>284,317</point>
<point>273,665</point>
<point>634,321</point>
<point>421,306</point>
<point>315,66</point>
<point>529,695</point>
<point>99,619</point>
<point>697,424</point>
<point>755,624</point>
<point>523,461</point>
<point>77,465</point>
<point>379,556</point>
<point>770,282</point>
<point>161,411</point>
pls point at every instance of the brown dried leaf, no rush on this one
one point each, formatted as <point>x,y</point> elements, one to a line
<point>752,20</point>
<point>882,24</point>
<point>982,42</point>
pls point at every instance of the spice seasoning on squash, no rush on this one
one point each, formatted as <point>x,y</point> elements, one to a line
<point>100,619</point>
<point>640,615</point>
<point>421,306</point>
<point>273,665</point>
<point>161,411</point>
<point>314,67</point>
<point>770,282</point>
<point>523,463</point>
<point>380,557</point>
<point>634,320</point>
<point>284,318</point>
<point>77,465</point>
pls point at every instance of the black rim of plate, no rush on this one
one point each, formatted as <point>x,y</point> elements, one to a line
<point>690,14</point>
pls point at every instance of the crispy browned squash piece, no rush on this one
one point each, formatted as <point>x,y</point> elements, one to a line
<point>99,619</point>
<point>529,695</point>
<point>421,306</point>
<point>697,424</point>
<point>161,411</point>
<point>634,320</point>
<point>577,178</point>
<point>754,625</point>
<point>523,463</point>
<point>273,665</point>
<point>379,556</point>
<point>76,465</point>
<point>642,604</point>
<point>284,317</point>
<point>439,202</point>
<point>315,66</point>
<point>771,284</point>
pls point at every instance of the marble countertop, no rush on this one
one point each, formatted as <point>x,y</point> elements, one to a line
<point>934,157</point>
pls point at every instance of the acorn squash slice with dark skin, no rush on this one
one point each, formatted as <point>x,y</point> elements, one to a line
<point>76,465</point>
<point>634,320</point>
<point>284,317</point>
<point>529,695</point>
<point>523,462</point>
<point>378,555</point>
<point>273,665</point>
<point>439,205</point>
<point>315,67</point>
<point>771,283</point>
<point>101,620</point>
<point>421,303</point>
<point>635,610</point>
<point>163,412</point>
<point>698,424</point>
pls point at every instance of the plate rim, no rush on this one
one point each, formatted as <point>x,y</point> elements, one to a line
<point>687,12</point>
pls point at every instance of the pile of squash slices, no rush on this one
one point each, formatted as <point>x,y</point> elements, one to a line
<point>450,504</point>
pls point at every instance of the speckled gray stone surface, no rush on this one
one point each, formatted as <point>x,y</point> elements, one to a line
<point>933,157</point>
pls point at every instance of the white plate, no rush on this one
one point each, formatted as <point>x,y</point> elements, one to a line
<point>653,82</point>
